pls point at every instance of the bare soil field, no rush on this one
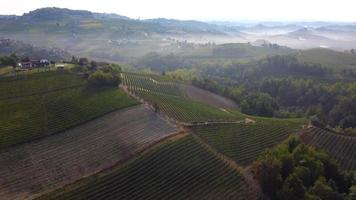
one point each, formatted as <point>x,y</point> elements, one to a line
<point>34,168</point>
<point>209,98</point>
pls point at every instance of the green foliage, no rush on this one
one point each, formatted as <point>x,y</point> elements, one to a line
<point>102,78</point>
<point>9,60</point>
<point>259,104</point>
<point>313,175</point>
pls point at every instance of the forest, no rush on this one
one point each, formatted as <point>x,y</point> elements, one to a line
<point>282,86</point>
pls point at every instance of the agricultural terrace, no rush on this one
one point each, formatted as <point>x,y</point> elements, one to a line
<point>341,148</point>
<point>209,98</point>
<point>180,169</point>
<point>243,142</point>
<point>51,162</point>
<point>32,109</point>
<point>171,98</point>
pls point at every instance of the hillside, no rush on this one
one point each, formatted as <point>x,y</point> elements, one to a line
<point>198,174</point>
<point>328,58</point>
<point>63,158</point>
<point>22,50</point>
<point>41,104</point>
<point>245,142</point>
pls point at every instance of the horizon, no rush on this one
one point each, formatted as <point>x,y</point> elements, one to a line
<point>223,12</point>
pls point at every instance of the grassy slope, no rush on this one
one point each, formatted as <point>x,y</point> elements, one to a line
<point>39,112</point>
<point>176,170</point>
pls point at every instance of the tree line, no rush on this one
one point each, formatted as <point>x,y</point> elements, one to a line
<point>297,90</point>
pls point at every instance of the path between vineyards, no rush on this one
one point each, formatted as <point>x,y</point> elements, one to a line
<point>183,125</point>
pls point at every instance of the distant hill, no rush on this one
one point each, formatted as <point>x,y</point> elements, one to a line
<point>188,25</point>
<point>116,38</point>
<point>327,57</point>
<point>21,49</point>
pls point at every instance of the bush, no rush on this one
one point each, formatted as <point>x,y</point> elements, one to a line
<point>296,171</point>
<point>101,78</point>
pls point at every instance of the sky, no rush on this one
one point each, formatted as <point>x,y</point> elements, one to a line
<point>206,10</point>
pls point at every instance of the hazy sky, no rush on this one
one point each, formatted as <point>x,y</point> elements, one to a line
<point>260,10</point>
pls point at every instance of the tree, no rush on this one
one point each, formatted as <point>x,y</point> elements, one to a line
<point>266,171</point>
<point>293,188</point>
<point>156,107</point>
<point>101,78</point>
<point>83,61</point>
<point>348,121</point>
<point>93,65</point>
<point>74,60</point>
<point>324,191</point>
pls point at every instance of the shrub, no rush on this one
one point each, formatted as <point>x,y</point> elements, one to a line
<point>101,78</point>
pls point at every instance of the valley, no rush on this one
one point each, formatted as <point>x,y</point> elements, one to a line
<point>103,106</point>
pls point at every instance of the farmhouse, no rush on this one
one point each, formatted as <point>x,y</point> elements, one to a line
<point>34,63</point>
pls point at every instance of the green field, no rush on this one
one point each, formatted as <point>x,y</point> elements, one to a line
<point>43,108</point>
<point>244,142</point>
<point>176,170</point>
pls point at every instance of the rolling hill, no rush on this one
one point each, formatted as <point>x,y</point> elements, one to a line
<point>41,104</point>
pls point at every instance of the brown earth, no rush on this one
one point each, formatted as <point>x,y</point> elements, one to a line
<point>52,162</point>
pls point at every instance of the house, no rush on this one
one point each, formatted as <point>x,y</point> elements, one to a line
<point>44,63</point>
<point>34,63</point>
<point>61,66</point>
<point>25,65</point>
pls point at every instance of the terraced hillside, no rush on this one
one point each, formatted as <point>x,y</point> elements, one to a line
<point>172,99</point>
<point>209,98</point>
<point>46,103</point>
<point>341,148</point>
<point>29,169</point>
<point>244,142</point>
<point>176,170</point>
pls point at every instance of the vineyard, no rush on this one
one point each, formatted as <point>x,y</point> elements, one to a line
<point>180,169</point>
<point>244,142</point>
<point>25,85</point>
<point>51,162</point>
<point>39,112</point>
<point>209,98</point>
<point>341,148</point>
<point>171,99</point>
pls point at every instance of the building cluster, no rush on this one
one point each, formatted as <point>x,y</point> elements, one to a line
<point>34,64</point>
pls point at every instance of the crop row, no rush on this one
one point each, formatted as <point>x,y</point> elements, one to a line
<point>169,99</point>
<point>341,148</point>
<point>176,170</point>
<point>146,83</point>
<point>244,142</point>
<point>66,157</point>
<point>38,84</point>
<point>23,119</point>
